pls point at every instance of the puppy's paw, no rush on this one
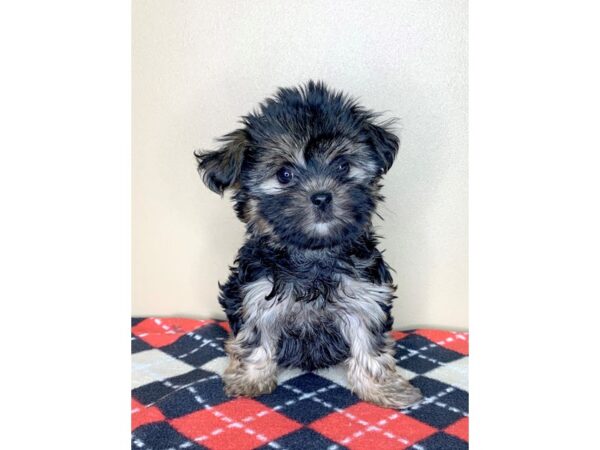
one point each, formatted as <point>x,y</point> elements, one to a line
<point>396,393</point>
<point>240,386</point>
<point>242,380</point>
<point>401,394</point>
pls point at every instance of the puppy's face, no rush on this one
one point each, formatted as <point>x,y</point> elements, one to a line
<point>305,168</point>
<point>310,193</point>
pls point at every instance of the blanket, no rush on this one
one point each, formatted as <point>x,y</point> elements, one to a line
<point>178,400</point>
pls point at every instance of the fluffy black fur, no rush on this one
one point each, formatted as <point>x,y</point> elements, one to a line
<point>324,137</point>
<point>313,279</point>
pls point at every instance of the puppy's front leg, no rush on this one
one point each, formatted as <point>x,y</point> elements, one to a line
<point>252,369</point>
<point>372,373</point>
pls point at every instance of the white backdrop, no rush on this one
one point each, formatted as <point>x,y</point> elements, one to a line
<point>199,65</point>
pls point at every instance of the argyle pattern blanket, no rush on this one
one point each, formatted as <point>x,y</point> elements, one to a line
<point>178,400</point>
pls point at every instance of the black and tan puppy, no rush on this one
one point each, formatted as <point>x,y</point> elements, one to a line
<point>309,288</point>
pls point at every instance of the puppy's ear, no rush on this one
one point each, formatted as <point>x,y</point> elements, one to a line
<point>384,144</point>
<point>221,169</point>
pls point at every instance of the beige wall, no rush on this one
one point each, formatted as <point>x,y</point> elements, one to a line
<point>199,65</point>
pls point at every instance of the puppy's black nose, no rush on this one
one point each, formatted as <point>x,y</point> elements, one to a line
<point>321,198</point>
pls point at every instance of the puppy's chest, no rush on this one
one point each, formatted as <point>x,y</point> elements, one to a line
<point>300,315</point>
<point>292,313</point>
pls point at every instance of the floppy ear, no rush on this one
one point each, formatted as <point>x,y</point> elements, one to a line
<point>220,169</point>
<point>384,143</point>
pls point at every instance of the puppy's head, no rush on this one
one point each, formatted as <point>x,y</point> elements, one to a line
<point>305,167</point>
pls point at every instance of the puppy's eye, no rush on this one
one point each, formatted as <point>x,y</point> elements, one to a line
<point>342,167</point>
<point>284,175</point>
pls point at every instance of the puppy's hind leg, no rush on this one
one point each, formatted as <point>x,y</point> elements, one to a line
<point>252,369</point>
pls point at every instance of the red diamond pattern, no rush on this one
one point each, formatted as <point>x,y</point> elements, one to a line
<point>240,424</point>
<point>459,429</point>
<point>369,427</point>
<point>160,332</point>
<point>141,415</point>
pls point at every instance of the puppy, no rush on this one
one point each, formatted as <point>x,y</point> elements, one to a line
<point>309,288</point>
